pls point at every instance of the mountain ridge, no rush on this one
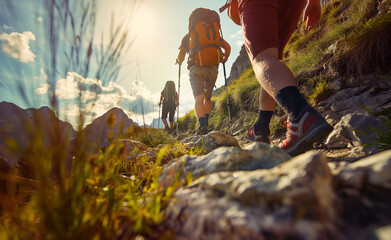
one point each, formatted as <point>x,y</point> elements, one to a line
<point>21,125</point>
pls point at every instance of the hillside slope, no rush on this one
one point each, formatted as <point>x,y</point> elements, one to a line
<point>342,67</point>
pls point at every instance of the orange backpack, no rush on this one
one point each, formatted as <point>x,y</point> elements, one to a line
<point>233,10</point>
<point>204,37</point>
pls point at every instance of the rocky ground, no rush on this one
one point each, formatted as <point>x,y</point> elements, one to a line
<point>339,190</point>
<point>349,106</point>
<point>258,191</point>
<point>241,190</point>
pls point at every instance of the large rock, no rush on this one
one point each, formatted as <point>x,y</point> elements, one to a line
<point>292,200</point>
<point>364,192</point>
<point>374,170</point>
<point>259,156</point>
<point>345,133</point>
<point>373,99</point>
<point>210,142</point>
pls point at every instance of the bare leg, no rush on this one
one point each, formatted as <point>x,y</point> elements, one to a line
<point>208,105</point>
<point>266,102</point>
<point>165,122</point>
<point>272,75</point>
<point>199,106</point>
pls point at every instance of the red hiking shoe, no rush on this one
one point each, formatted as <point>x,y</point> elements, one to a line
<point>257,138</point>
<point>300,136</point>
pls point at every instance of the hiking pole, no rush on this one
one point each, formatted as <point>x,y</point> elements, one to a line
<point>158,122</point>
<point>179,87</point>
<point>226,91</point>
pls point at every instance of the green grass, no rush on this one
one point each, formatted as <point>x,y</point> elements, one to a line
<point>243,95</point>
<point>320,92</point>
<point>381,138</point>
<point>340,20</point>
<point>153,137</point>
<point>104,194</point>
<point>368,48</point>
<point>188,123</point>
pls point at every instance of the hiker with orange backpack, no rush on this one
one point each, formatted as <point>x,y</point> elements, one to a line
<point>169,99</point>
<point>267,26</point>
<point>203,43</point>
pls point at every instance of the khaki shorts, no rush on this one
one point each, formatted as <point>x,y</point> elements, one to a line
<point>269,23</point>
<point>203,79</point>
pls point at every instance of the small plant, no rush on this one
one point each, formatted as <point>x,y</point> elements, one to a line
<point>153,137</point>
<point>321,91</point>
<point>381,138</point>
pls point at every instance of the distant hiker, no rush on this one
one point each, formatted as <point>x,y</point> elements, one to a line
<point>267,27</point>
<point>169,98</point>
<point>203,43</point>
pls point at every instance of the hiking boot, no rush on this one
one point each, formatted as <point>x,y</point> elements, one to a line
<point>257,138</point>
<point>310,128</point>
<point>202,131</point>
<point>168,130</point>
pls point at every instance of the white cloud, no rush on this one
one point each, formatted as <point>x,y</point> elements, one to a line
<point>72,111</point>
<point>97,99</point>
<point>238,38</point>
<point>43,89</point>
<point>239,43</point>
<point>236,35</point>
<point>17,45</point>
<point>6,27</point>
<point>66,88</point>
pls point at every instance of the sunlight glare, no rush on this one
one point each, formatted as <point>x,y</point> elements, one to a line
<point>145,23</point>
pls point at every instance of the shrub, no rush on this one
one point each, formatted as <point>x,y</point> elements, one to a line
<point>153,137</point>
<point>321,91</point>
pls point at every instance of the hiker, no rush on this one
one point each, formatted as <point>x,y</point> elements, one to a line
<point>169,98</point>
<point>203,43</point>
<point>267,27</point>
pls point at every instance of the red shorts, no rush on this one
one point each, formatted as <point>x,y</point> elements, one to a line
<point>269,23</point>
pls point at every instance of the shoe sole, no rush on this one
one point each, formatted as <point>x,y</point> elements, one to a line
<point>305,143</point>
<point>250,138</point>
<point>200,133</point>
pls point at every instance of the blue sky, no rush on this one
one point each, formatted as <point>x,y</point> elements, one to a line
<point>157,28</point>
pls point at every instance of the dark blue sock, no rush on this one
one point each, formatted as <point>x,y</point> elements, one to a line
<point>291,101</point>
<point>206,119</point>
<point>202,122</point>
<point>261,127</point>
